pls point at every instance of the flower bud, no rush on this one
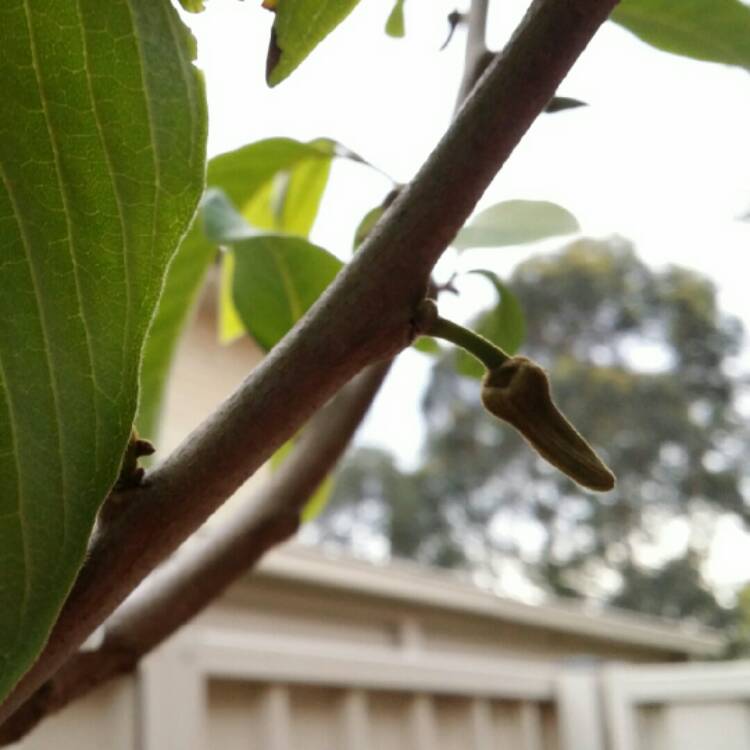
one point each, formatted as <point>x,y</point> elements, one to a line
<point>518,392</point>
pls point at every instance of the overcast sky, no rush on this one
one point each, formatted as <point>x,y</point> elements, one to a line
<point>660,156</point>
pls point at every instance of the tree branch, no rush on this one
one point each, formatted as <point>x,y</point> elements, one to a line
<point>270,517</point>
<point>191,580</point>
<point>363,317</point>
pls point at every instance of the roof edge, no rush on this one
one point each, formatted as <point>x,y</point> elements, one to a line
<point>406,581</point>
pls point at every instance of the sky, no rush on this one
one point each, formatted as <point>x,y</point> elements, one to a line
<point>660,156</point>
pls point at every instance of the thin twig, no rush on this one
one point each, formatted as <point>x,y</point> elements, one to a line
<point>477,56</point>
<point>364,316</point>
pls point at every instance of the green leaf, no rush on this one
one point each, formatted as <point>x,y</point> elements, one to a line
<point>369,220</point>
<point>289,202</point>
<point>515,223</point>
<point>712,30</point>
<point>289,178</point>
<point>317,503</point>
<point>230,324</point>
<point>244,171</point>
<point>277,278</point>
<point>503,325</point>
<point>319,499</point>
<point>299,27</point>
<point>395,26</point>
<point>193,6</point>
<point>303,189</point>
<point>427,345</point>
<point>102,143</point>
<point>248,174</point>
<point>222,224</point>
<point>561,103</point>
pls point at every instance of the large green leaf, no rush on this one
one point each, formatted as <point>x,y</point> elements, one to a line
<point>246,174</point>
<point>502,324</point>
<point>515,223</point>
<point>102,143</point>
<point>299,27</point>
<point>713,30</point>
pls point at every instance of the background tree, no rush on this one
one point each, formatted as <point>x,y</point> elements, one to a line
<point>643,358</point>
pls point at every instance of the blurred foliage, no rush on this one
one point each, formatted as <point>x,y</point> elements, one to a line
<point>641,360</point>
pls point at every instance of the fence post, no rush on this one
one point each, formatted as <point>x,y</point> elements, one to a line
<point>580,707</point>
<point>355,720</point>
<point>172,699</point>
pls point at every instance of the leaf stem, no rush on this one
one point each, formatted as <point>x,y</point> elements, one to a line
<point>485,351</point>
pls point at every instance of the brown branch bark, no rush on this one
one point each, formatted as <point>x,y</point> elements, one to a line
<point>364,316</point>
<point>191,580</point>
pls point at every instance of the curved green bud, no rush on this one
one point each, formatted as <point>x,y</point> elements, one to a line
<point>518,392</point>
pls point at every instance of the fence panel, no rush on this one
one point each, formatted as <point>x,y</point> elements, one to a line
<point>678,706</point>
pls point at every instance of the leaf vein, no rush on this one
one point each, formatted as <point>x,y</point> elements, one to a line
<point>293,300</point>
<point>23,611</point>
<point>19,513</point>
<point>65,198</point>
<point>151,128</point>
<point>115,190</point>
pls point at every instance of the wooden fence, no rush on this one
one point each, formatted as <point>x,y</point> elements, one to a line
<point>230,692</point>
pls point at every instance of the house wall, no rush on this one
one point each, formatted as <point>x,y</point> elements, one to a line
<point>203,374</point>
<point>204,371</point>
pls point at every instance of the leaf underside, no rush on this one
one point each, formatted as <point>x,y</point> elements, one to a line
<point>299,26</point>
<point>711,30</point>
<point>515,222</point>
<point>102,142</point>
